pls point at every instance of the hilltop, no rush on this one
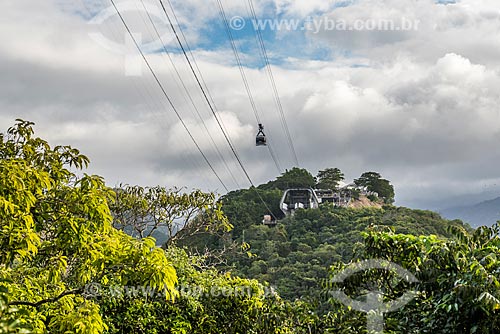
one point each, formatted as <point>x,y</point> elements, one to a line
<point>294,255</point>
<point>364,202</point>
<point>63,235</point>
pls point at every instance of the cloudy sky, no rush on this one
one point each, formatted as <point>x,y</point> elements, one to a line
<point>419,103</point>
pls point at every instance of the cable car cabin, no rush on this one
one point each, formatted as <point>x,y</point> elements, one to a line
<point>260,139</point>
<point>300,198</point>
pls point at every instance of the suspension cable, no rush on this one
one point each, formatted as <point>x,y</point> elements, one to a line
<point>160,85</point>
<point>277,100</point>
<point>189,94</point>
<point>243,76</point>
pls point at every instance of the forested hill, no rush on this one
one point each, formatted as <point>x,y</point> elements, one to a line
<point>295,255</point>
<point>66,265</point>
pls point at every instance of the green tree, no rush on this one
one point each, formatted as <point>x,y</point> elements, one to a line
<point>171,213</point>
<point>374,182</point>
<point>245,208</point>
<point>458,290</point>
<point>56,236</point>
<point>293,178</point>
<point>329,178</point>
<point>209,302</point>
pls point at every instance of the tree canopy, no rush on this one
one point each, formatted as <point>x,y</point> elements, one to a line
<point>167,214</point>
<point>293,178</point>
<point>329,178</point>
<point>457,288</point>
<point>57,236</point>
<point>58,242</point>
<point>64,268</point>
<point>373,181</point>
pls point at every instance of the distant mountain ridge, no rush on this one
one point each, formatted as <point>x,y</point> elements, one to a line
<point>483,213</point>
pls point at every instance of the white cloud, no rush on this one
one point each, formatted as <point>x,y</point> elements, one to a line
<point>468,27</point>
<point>422,108</point>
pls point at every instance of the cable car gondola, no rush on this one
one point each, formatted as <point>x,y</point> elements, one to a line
<point>260,139</point>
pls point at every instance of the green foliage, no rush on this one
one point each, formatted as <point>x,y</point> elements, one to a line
<point>9,322</point>
<point>293,178</point>
<point>329,178</point>
<point>209,302</point>
<point>171,213</point>
<point>245,207</point>
<point>56,236</point>
<point>458,289</point>
<point>295,255</point>
<point>355,194</point>
<point>374,182</point>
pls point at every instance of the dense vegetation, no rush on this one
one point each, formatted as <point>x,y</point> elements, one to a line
<point>295,255</point>
<point>66,266</point>
<point>374,182</point>
<point>56,236</point>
